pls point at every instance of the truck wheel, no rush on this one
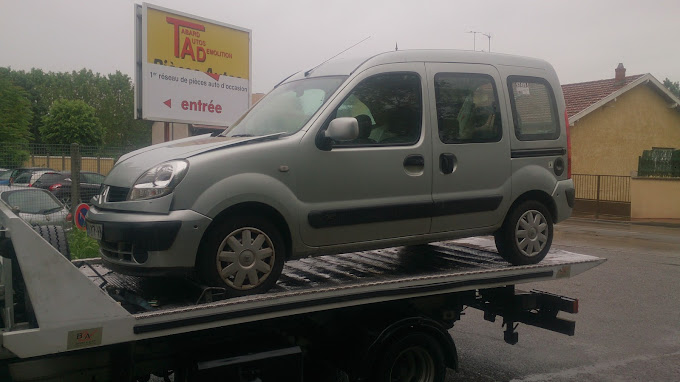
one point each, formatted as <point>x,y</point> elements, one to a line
<point>56,236</point>
<point>414,357</point>
<point>526,234</point>
<point>244,255</point>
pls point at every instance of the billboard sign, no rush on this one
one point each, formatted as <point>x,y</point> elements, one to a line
<point>189,69</point>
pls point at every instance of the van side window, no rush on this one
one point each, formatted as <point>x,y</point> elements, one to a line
<point>467,108</point>
<point>534,110</point>
<point>388,108</point>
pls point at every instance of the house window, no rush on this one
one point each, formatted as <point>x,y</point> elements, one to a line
<point>534,110</point>
<point>467,108</point>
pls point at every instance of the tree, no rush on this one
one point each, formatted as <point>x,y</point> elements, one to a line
<point>15,119</point>
<point>111,97</point>
<point>674,87</point>
<point>72,121</point>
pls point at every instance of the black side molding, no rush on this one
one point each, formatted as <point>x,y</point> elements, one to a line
<point>466,206</point>
<point>529,153</point>
<point>352,216</point>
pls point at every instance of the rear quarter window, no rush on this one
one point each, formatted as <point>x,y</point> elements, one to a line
<point>534,110</point>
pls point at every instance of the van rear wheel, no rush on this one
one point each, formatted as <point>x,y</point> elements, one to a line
<point>244,255</point>
<point>526,235</point>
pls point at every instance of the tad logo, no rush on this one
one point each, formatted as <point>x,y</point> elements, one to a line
<point>190,33</point>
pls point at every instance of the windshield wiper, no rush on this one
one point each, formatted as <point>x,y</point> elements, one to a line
<point>242,135</point>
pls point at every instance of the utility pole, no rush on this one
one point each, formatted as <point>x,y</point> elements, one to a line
<point>488,35</point>
<point>474,39</point>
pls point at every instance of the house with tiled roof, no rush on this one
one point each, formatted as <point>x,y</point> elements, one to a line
<point>614,120</point>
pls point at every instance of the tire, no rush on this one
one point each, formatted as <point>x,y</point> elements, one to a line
<point>526,235</point>
<point>414,357</point>
<point>56,236</point>
<point>222,253</point>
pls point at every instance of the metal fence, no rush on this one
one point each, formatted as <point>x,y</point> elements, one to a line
<point>43,183</point>
<point>602,194</point>
<point>58,157</point>
<point>612,188</point>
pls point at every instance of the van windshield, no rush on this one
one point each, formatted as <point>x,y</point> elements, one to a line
<point>287,108</point>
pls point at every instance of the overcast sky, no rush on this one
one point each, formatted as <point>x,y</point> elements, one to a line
<point>583,40</point>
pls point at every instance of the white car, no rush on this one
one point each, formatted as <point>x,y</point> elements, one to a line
<point>35,206</point>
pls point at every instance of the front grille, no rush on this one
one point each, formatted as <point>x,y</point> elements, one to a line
<point>117,194</point>
<point>123,252</point>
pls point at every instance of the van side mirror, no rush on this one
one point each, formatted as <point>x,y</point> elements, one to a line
<point>339,129</point>
<point>343,129</point>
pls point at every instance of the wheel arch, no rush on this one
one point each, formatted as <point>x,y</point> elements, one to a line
<point>539,196</point>
<point>255,209</point>
<point>407,326</point>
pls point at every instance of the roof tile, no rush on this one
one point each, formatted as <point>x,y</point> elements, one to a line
<point>581,95</point>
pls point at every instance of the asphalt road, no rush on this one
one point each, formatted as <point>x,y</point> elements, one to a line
<point>628,327</point>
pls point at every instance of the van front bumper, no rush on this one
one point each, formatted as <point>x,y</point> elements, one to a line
<point>143,243</point>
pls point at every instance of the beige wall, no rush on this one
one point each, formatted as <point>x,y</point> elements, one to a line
<point>609,141</point>
<point>100,165</point>
<point>177,131</point>
<point>654,198</point>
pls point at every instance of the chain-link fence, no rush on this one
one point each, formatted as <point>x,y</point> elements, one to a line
<point>44,183</point>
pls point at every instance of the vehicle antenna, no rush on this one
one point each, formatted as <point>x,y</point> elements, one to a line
<point>307,73</point>
<point>488,35</point>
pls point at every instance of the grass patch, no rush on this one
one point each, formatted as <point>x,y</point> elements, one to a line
<point>81,245</point>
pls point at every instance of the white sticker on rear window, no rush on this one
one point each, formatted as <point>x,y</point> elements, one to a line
<point>522,89</point>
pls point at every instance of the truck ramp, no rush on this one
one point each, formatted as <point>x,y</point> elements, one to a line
<point>328,282</point>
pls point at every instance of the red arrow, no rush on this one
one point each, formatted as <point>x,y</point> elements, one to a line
<point>214,76</point>
<point>168,103</point>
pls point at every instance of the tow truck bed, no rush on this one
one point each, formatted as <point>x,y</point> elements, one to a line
<point>82,310</point>
<point>327,282</point>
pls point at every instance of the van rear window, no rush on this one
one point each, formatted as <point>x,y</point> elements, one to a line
<point>534,110</point>
<point>467,108</point>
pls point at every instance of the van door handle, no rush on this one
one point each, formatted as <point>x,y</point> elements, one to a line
<point>447,163</point>
<point>416,160</point>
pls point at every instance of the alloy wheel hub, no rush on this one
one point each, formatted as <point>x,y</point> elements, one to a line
<point>247,258</point>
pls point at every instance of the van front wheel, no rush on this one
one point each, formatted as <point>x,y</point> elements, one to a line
<point>526,234</point>
<point>244,255</point>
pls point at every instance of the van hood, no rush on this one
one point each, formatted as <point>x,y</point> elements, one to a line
<point>132,165</point>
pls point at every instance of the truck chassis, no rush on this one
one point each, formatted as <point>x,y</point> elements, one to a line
<point>375,315</point>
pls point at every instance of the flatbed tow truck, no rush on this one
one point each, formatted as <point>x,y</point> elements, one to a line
<point>378,315</point>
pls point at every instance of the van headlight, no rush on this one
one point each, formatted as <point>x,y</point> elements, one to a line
<point>159,180</point>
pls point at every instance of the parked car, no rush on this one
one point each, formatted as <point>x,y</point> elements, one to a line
<point>59,183</point>
<point>402,148</point>
<point>35,206</point>
<point>26,176</point>
<point>4,176</point>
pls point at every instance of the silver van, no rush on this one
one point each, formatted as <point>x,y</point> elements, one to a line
<point>402,148</point>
